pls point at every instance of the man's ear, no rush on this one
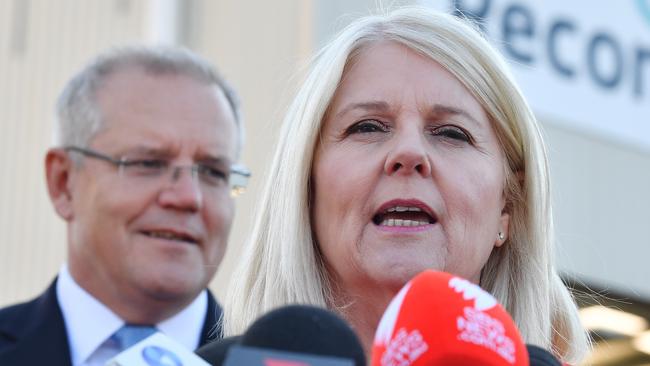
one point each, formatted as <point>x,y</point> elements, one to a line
<point>58,169</point>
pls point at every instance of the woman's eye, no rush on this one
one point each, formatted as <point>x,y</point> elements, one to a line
<point>453,133</point>
<point>367,126</point>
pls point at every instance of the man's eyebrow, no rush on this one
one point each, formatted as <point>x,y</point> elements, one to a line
<point>441,110</point>
<point>167,153</point>
<point>211,159</point>
<point>160,152</point>
<point>379,106</point>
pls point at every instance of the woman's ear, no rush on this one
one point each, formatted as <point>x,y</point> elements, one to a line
<point>504,226</point>
<point>58,168</point>
<point>510,194</point>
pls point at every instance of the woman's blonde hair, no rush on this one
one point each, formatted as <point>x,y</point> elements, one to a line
<point>282,265</point>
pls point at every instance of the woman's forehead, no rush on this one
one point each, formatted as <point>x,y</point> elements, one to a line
<point>388,72</point>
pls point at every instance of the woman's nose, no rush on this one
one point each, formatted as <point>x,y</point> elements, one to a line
<point>408,155</point>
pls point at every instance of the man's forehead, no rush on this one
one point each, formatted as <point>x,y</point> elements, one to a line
<point>137,107</point>
<point>136,86</point>
<point>170,135</point>
<point>127,76</point>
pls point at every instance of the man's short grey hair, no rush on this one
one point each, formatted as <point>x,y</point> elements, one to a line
<point>78,115</point>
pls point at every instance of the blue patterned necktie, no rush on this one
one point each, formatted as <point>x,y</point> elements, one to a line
<point>131,334</point>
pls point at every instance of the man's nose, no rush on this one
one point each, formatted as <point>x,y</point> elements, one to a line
<point>408,154</point>
<point>182,189</point>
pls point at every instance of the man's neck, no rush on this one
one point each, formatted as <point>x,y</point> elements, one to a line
<point>134,306</point>
<point>89,328</point>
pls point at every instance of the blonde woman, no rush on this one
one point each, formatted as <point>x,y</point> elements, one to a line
<point>408,147</point>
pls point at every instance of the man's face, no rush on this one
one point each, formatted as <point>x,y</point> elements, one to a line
<point>142,239</point>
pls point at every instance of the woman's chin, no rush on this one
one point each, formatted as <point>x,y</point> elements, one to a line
<point>395,276</point>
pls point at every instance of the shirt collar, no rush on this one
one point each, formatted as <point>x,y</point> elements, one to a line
<point>186,326</point>
<point>80,309</point>
<point>88,322</point>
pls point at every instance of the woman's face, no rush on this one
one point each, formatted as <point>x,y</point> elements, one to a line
<point>408,174</point>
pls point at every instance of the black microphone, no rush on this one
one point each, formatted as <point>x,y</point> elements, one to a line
<point>310,335</point>
<point>541,357</point>
<point>215,352</point>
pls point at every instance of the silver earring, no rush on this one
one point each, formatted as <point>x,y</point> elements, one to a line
<point>501,236</point>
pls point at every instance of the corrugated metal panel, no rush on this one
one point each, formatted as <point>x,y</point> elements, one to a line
<point>55,40</point>
<point>259,54</point>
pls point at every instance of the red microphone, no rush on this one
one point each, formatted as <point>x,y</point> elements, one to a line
<point>441,319</point>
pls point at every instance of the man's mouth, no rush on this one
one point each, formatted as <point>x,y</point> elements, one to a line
<point>404,215</point>
<point>171,235</point>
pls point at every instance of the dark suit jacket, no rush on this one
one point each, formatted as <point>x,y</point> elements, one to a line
<point>33,333</point>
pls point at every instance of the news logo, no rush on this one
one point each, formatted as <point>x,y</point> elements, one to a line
<point>157,350</point>
<point>158,356</point>
<point>273,362</point>
<point>253,356</point>
<point>644,8</point>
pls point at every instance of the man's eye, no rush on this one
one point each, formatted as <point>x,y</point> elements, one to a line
<point>148,164</point>
<point>212,173</point>
<point>144,166</point>
<point>367,126</point>
<point>453,133</point>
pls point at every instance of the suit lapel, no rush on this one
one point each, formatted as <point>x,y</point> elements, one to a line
<point>211,327</point>
<point>40,334</point>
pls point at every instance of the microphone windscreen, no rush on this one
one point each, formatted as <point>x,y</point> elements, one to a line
<point>440,319</point>
<point>215,352</point>
<point>307,330</point>
<point>541,357</point>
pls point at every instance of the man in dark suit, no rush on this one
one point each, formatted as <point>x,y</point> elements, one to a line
<point>143,174</point>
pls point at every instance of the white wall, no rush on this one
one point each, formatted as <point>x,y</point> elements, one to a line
<point>42,44</point>
<point>602,210</point>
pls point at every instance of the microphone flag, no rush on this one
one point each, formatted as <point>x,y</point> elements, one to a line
<point>441,319</point>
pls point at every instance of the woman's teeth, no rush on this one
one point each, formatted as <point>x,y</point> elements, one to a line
<point>403,209</point>
<point>399,222</point>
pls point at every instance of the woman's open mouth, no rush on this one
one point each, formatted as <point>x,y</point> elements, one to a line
<point>404,214</point>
